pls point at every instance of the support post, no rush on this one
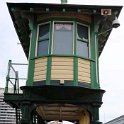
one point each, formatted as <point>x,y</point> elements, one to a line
<point>7,77</point>
<point>26,109</point>
<point>95,114</point>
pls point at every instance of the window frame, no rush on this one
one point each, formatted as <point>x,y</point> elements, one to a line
<point>38,27</point>
<point>73,26</point>
<point>88,42</point>
<point>74,38</point>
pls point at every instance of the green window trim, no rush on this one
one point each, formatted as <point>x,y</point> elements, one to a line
<point>43,39</point>
<point>63,35</point>
<point>74,48</point>
<point>94,56</point>
<point>82,40</point>
<point>49,58</point>
<point>31,66</point>
<point>74,38</point>
<point>55,55</point>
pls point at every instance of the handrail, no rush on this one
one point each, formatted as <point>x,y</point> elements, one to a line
<point>9,79</point>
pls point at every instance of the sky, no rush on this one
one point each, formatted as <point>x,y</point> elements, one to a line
<point>111,61</point>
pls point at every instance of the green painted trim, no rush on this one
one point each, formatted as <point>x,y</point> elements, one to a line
<point>97,60</point>
<point>55,55</point>
<point>75,66</point>
<point>49,59</point>
<point>97,50</point>
<point>48,74</point>
<point>75,57</point>
<point>75,37</point>
<point>93,56</point>
<point>32,53</point>
<point>75,71</point>
<point>50,41</point>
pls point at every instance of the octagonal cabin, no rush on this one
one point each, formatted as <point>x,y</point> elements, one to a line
<point>60,41</point>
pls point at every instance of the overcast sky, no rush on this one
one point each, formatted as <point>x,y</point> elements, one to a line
<point>111,60</point>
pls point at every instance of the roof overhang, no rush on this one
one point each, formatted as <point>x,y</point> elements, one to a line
<point>21,23</point>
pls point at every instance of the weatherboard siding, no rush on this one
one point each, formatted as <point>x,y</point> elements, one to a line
<point>84,74</point>
<point>40,69</point>
<point>62,68</point>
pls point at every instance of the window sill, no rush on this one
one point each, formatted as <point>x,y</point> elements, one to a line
<point>55,55</point>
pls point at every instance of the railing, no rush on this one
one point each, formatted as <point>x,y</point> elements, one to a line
<point>12,78</point>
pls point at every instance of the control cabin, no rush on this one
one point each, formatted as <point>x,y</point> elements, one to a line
<point>62,43</point>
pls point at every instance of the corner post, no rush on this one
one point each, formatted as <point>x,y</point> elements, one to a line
<point>26,109</point>
<point>7,77</point>
<point>95,114</point>
<point>33,28</point>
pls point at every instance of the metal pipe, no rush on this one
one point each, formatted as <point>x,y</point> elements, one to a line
<point>7,77</point>
<point>18,64</point>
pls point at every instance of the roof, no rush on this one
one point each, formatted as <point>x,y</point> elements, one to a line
<point>118,120</point>
<point>22,24</point>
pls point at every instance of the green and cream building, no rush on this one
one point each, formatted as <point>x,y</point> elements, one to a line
<point>62,43</point>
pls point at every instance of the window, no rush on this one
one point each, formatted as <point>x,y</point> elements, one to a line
<point>62,42</point>
<point>43,39</point>
<point>63,38</point>
<point>82,41</point>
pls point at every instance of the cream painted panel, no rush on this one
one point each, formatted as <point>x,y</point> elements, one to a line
<point>84,74</point>
<point>80,65</point>
<point>61,76</point>
<point>62,72</point>
<point>84,79</point>
<point>84,70</point>
<point>40,73</point>
<point>87,62</point>
<point>39,78</point>
<point>62,59</point>
<point>62,63</point>
<point>62,68</point>
<point>40,60</point>
<point>40,64</point>
<point>40,69</point>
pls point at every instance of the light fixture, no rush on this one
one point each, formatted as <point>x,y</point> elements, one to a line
<point>115,23</point>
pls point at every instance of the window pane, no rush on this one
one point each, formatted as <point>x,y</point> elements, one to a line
<point>43,47</point>
<point>63,39</point>
<point>82,49</point>
<point>82,33</point>
<point>44,32</point>
<point>43,40</point>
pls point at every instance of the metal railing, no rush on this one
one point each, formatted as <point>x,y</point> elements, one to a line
<point>13,80</point>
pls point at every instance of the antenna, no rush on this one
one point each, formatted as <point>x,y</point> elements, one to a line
<point>64,1</point>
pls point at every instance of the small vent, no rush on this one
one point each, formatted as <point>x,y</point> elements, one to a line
<point>106,12</point>
<point>61,81</point>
